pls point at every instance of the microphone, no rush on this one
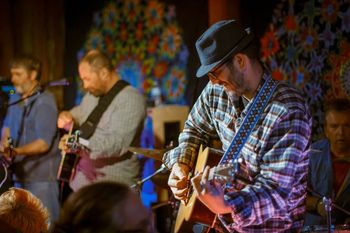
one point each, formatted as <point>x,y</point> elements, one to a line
<point>61,82</point>
<point>41,89</point>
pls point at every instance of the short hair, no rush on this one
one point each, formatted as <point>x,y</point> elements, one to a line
<point>252,49</point>
<point>97,60</point>
<point>29,62</point>
<point>91,209</point>
<point>23,211</point>
<point>338,105</point>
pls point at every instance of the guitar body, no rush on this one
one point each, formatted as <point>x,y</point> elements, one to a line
<point>66,169</point>
<point>194,211</point>
<point>7,161</point>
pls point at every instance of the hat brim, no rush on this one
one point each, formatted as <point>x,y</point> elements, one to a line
<point>204,69</point>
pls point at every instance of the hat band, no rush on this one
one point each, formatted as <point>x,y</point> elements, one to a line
<point>213,59</point>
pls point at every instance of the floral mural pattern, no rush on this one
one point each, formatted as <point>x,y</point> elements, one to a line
<point>145,43</point>
<point>307,44</point>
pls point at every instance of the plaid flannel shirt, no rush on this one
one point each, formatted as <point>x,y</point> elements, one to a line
<point>275,156</point>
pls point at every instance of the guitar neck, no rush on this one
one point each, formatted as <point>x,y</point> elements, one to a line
<point>68,159</point>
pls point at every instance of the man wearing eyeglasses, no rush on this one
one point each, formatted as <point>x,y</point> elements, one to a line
<point>273,157</point>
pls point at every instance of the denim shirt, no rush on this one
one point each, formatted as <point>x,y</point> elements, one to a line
<point>320,180</point>
<point>28,121</point>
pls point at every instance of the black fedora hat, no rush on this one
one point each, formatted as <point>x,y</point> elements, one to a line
<point>219,42</point>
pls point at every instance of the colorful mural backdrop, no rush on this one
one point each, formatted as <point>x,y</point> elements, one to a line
<point>144,40</point>
<point>307,44</point>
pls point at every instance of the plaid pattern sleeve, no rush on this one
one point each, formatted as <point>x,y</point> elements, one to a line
<point>275,159</point>
<point>197,131</point>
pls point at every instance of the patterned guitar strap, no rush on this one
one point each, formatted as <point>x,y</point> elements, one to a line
<point>253,115</point>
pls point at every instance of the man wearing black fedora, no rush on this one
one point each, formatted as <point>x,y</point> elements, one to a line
<point>265,129</point>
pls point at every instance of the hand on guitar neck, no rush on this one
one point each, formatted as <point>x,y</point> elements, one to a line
<point>72,143</point>
<point>210,191</point>
<point>71,150</point>
<point>65,121</point>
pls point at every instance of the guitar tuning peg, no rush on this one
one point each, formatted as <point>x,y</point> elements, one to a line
<point>77,132</point>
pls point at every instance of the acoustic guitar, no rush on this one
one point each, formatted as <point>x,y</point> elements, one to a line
<point>7,161</point>
<point>70,159</point>
<point>192,210</point>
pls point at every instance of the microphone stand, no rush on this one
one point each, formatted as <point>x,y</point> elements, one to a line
<point>140,182</point>
<point>328,207</point>
<point>328,204</point>
<point>38,92</point>
<point>41,89</point>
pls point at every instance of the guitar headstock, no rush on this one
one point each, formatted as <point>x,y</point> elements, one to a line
<point>73,143</point>
<point>10,142</point>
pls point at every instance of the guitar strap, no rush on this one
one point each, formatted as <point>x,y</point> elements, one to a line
<point>25,113</point>
<point>87,129</point>
<point>253,115</point>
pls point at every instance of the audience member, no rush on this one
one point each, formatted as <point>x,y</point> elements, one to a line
<point>104,207</point>
<point>21,211</point>
<point>329,167</point>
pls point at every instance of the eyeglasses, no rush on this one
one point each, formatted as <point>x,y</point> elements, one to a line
<point>212,75</point>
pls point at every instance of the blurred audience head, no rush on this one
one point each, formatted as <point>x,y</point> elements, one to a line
<point>21,211</point>
<point>104,207</point>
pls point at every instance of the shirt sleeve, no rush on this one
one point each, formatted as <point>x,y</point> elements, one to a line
<point>197,131</point>
<point>283,168</point>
